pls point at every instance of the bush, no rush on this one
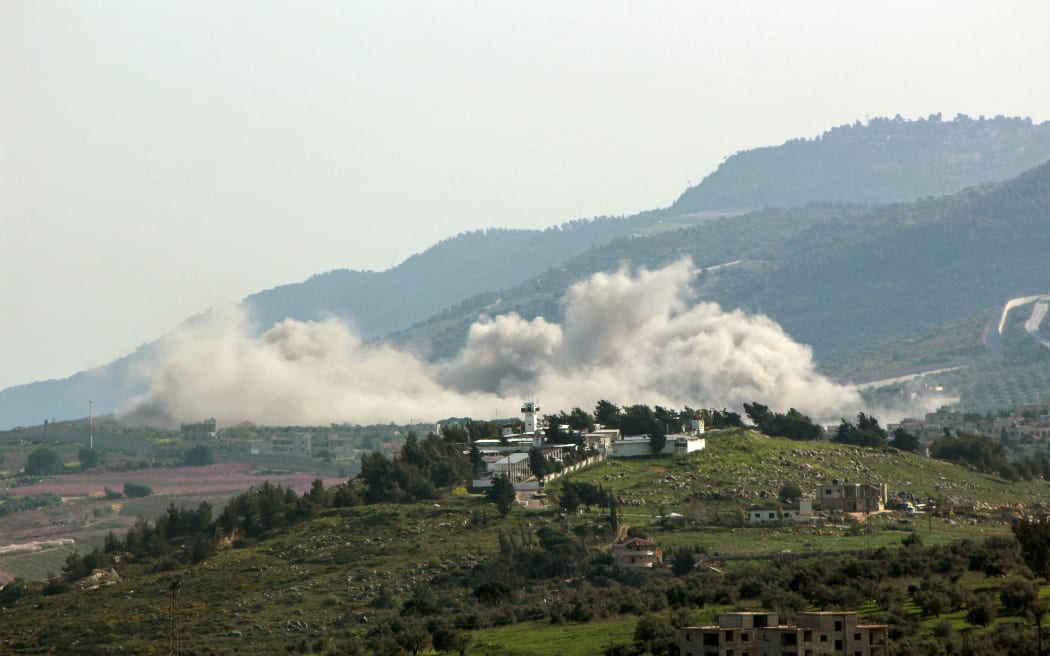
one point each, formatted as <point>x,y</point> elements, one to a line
<point>198,456</point>
<point>42,462</point>
<point>136,490</point>
<point>1017,595</point>
<point>982,612</point>
<point>89,458</point>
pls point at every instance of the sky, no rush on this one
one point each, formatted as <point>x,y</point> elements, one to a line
<point>161,158</point>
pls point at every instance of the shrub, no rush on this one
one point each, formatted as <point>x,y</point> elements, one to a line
<point>198,456</point>
<point>42,462</point>
<point>136,490</point>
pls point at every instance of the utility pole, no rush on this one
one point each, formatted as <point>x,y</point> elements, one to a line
<point>173,611</point>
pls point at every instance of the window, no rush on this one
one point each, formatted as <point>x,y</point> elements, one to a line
<point>838,625</point>
<point>823,638</point>
<point>856,636</point>
<point>808,636</point>
<point>771,515</point>
<point>744,637</point>
<point>838,645</point>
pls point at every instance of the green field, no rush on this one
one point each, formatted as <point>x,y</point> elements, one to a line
<point>38,565</point>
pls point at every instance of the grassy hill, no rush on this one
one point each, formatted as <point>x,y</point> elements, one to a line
<point>337,583</point>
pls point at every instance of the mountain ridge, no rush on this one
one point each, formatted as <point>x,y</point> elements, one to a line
<point>478,269</point>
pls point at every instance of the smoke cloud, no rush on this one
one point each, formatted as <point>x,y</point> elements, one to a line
<point>627,337</point>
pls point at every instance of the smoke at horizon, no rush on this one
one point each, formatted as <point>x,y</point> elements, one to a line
<point>627,337</point>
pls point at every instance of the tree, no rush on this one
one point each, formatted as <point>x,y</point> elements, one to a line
<point>793,424</point>
<point>759,414</point>
<point>502,494</point>
<point>198,456</point>
<point>866,432</point>
<point>904,440</point>
<point>667,420</point>
<point>721,418</point>
<point>655,636</point>
<point>789,492</point>
<point>638,420</point>
<point>657,440</point>
<point>447,639</point>
<point>43,462</point>
<point>492,593</point>
<point>539,464</point>
<point>569,500</point>
<point>89,458</point>
<point>477,464</point>
<point>1018,595</point>
<point>132,490</point>
<point>982,611</point>
<point>580,419</point>
<point>682,561</point>
<point>607,414</point>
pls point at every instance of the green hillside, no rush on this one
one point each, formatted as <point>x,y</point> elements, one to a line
<point>910,285</point>
<point>378,579</point>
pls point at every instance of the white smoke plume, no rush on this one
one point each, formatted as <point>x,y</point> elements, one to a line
<point>628,338</point>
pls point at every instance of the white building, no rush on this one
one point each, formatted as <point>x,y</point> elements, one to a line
<point>802,511</point>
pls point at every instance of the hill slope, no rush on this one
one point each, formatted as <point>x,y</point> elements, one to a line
<point>335,583</point>
<point>884,161</point>
<point>377,303</point>
<point>837,278</point>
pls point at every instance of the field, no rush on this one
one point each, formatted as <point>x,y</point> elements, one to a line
<point>36,565</point>
<point>86,515</point>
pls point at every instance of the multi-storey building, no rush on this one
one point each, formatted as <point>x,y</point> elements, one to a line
<point>852,497</point>
<point>760,634</point>
<point>636,553</point>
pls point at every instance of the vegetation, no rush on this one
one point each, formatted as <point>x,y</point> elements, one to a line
<point>328,572</point>
<point>791,424</point>
<point>137,490</point>
<point>10,506</point>
<point>198,456</point>
<point>43,462</point>
<point>866,432</point>
<point>89,458</point>
<point>418,473</point>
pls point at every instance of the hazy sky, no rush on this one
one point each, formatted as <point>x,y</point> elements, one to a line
<point>159,158</point>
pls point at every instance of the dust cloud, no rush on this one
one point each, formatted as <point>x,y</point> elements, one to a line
<point>629,337</point>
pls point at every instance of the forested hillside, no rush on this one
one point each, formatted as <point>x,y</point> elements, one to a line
<point>883,161</point>
<point>837,278</point>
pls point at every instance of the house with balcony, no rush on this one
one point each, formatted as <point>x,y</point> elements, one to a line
<point>636,553</point>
